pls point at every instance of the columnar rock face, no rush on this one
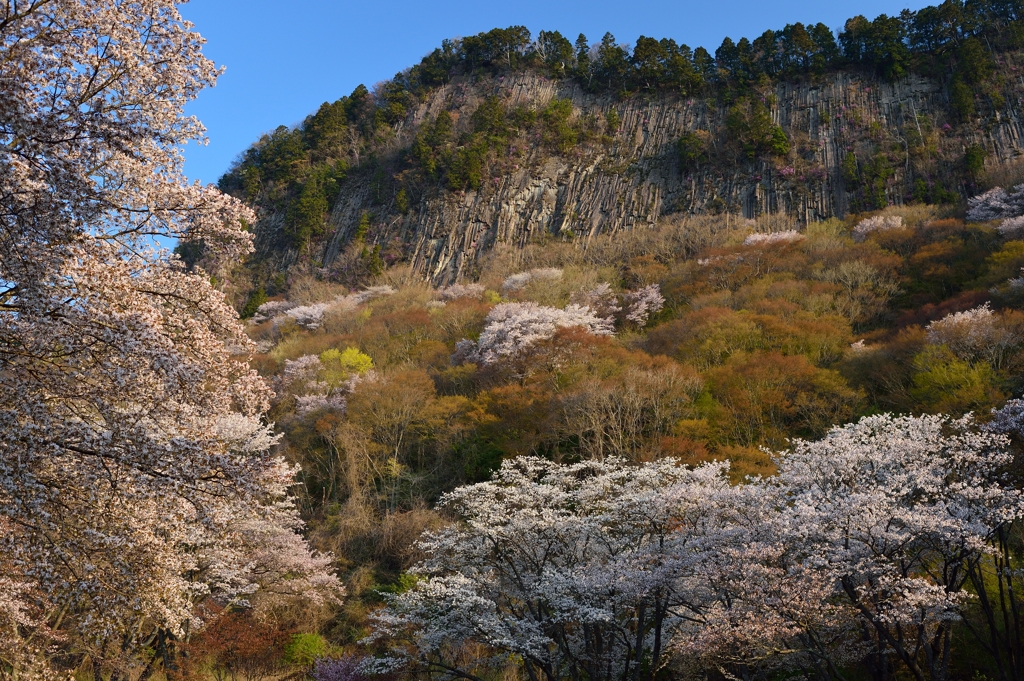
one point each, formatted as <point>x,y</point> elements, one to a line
<point>634,177</point>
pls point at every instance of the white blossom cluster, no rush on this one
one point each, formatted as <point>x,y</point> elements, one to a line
<point>977,334</point>
<point>643,303</point>
<point>456,291</point>
<point>271,309</point>
<point>995,204</point>
<point>964,332</point>
<point>597,568</point>
<point>1008,419</point>
<point>638,306</point>
<point>769,239</point>
<point>301,376</point>
<point>876,223</point>
<point>137,475</point>
<point>513,328</point>
<point>602,300</point>
<point>517,281</point>
<point>1011,227</point>
<point>311,316</point>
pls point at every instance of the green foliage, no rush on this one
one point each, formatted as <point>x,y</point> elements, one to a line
<point>556,53</point>
<point>749,123</point>
<point>558,132</point>
<point>878,44</point>
<point>945,384</point>
<point>481,458</point>
<point>692,149</point>
<point>961,100</point>
<point>346,362</point>
<point>430,147</point>
<point>613,120</point>
<point>974,63</point>
<point>362,227</point>
<point>307,215</point>
<point>850,171</point>
<point>372,260</point>
<point>974,160</point>
<point>305,649</point>
<point>402,201</point>
<point>257,298</point>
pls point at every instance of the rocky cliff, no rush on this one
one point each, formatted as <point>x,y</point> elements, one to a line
<point>854,141</point>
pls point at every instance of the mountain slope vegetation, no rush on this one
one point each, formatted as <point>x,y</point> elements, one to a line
<point>356,185</point>
<point>419,345</point>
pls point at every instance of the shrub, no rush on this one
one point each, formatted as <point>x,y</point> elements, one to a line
<point>305,649</point>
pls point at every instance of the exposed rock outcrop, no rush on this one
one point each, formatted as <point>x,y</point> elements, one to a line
<point>634,177</point>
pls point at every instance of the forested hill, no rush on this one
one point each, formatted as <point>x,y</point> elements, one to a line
<point>509,137</point>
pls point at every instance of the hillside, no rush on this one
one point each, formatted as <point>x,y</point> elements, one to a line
<point>702,339</point>
<point>466,150</point>
<point>518,265</point>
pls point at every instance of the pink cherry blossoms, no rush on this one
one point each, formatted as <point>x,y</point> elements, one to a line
<point>610,570</point>
<point>995,204</point>
<point>877,223</point>
<point>513,328</point>
<point>137,476</point>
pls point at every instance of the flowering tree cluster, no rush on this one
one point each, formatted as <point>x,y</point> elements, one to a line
<point>635,307</point>
<point>860,548</point>
<point>312,316</point>
<point>136,473</point>
<point>996,204</point>
<point>976,335</point>
<point>768,239</point>
<point>1011,227</point>
<point>517,281</point>
<point>513,328</point>
<point>322,381</point>
<point>877,223</point>
<point>456,291</point>
<point>338,669</point>
<point>643,303</point>
<point>602,299</point>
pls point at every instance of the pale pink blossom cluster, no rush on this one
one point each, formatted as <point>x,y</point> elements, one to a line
<point>513,328</point>
<point>876,223</point>
<point>995,204</point>
<point>643,303</point>
<point>602,300</point>
<point>517,281</point>
<point>311,316</point>
<point>622,565</point>
<point>638,305</point>
<point>302,378</point>
<point>977,334</point>
<point>137,476</point>
<point>271,309</point>
<point>770,239</point>
<point>456,291</point>
<point>1011,227</point>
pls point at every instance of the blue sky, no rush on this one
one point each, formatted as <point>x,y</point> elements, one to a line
<point>284,58</point>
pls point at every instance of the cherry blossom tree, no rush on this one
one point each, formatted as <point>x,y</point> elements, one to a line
<point>513,328</point>
<point>876,223</point>
<point>894,511</point>
<point>136,473</point>
<point>861,548</point>
<point>975,335</point>
<point>572,569</point>
<point>643,303</point>
<point>995,204</point>
<point>517,281</point>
